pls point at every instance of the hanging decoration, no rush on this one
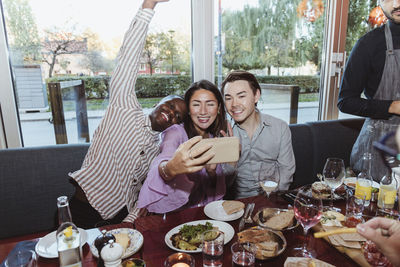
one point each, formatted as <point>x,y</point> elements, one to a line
<point>376,17</point>
<point>310,9</point>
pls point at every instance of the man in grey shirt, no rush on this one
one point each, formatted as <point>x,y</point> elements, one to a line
<point>263,138</point>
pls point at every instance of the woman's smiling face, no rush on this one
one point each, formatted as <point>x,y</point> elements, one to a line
<point>203,108</point>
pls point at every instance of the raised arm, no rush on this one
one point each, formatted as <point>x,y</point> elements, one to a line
<point>122,86</point>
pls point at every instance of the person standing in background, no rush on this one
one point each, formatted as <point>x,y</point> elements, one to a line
<point>373,69</point>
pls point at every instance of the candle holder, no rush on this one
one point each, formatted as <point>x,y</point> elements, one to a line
<point>179,260</point>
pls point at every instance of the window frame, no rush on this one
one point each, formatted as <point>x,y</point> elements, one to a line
<point>202,65</point>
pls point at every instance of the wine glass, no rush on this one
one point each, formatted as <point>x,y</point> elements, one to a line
<point>268,177</point>
<point>333,173</point>
<point>308,211</point>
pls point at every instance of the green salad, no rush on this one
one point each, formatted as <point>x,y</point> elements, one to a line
<point>189,237</point>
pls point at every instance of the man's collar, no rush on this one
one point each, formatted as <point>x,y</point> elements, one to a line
<point>264,119</point>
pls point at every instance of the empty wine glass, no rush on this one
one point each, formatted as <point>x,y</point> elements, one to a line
<point>308,211</point>
<point>333,173</point>
<point>268,177</point>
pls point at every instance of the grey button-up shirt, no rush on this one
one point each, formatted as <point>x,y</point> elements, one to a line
<point>271,142</point>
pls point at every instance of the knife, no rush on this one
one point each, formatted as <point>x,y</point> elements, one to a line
<point>246,213</point>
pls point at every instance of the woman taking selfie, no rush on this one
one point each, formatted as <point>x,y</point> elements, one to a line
<point>179,177</point>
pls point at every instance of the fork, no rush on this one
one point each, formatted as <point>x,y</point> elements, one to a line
<point>248,219</point>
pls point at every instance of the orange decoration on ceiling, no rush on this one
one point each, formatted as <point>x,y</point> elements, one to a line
<point>376,17</point>
<point>310,9</point>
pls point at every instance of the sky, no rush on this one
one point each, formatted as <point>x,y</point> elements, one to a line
<point>110,19</point>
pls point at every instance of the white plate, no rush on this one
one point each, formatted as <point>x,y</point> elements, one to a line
<point>47,245</point>
<point>222,226</point>
<point>136,241</point>
<point>215,211</point>
<point>353,180</point>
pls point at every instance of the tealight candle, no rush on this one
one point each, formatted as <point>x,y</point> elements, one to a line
<point>180,264</point>
<point>179,260</point>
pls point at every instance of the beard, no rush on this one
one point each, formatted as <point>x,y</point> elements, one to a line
<point>390,16</point>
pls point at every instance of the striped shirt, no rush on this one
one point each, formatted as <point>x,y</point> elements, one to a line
<point>124,144</point>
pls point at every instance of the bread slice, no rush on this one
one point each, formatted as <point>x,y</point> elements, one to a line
<point>122,239</point>
<point>280,220</point>
<point>266,249</point>
<point>232,206</point>
<point>255,235</point>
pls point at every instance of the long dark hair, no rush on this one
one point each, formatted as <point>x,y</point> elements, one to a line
<point>220,121</point>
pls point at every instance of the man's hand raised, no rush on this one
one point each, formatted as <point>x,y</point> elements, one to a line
<point>151,3</point>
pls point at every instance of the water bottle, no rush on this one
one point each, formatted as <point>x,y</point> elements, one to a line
<point>68,237</point>
<point>364,180</point>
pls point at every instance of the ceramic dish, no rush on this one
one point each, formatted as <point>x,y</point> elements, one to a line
<point>136,242</point>
<point>259,219</point>
<point>47,245</point>
<point>277,236</point>
<point>215,211</point>
<point>222,226</point>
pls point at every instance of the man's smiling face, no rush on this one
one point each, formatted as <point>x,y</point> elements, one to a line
<point>240,100</point>
<point>171,110</point>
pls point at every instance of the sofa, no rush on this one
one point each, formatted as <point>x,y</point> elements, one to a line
<point>31,179</point>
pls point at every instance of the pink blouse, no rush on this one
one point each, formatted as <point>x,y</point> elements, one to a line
<point>185,190</point>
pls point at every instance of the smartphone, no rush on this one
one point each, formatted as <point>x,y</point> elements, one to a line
<point>226,149</point>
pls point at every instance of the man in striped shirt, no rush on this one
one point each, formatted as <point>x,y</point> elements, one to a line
<point>125,142</point>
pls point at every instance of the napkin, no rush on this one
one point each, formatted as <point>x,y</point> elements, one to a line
<point>305,262</point>
<point>28,245</point>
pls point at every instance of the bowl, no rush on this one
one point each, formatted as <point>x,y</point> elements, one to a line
<point>261,220</point>
<point>276,236</point>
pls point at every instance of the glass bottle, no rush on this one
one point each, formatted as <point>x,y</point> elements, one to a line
<point>364,179</point>
<point>68,236</point>
<point>387,191</point>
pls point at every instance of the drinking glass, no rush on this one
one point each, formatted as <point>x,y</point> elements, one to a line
<point>354,209</point>
<point>268,177</point>
<point>213,248</point>
<point>334,173</point>
<point>21,258</point>
<point>308,211</point>
<point>243,254</point>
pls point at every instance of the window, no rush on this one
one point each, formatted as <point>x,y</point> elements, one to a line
<point>278,41</point>
<point>91,46</point>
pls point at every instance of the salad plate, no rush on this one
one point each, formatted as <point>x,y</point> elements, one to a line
<point>222,226</point>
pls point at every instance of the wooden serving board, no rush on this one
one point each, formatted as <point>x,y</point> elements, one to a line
<point>354,254</point>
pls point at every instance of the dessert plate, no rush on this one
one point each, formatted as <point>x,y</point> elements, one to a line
<point>136,242</point>
<point>47,245</point>
<point>215,211</point>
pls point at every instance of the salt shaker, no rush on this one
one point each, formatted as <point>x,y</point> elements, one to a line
<point>112,254</point>
<point>100,242</point>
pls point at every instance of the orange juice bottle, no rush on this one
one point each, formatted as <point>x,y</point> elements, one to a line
<point>364,180</point>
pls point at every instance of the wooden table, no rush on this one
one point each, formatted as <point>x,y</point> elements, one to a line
<point>155,251</point>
